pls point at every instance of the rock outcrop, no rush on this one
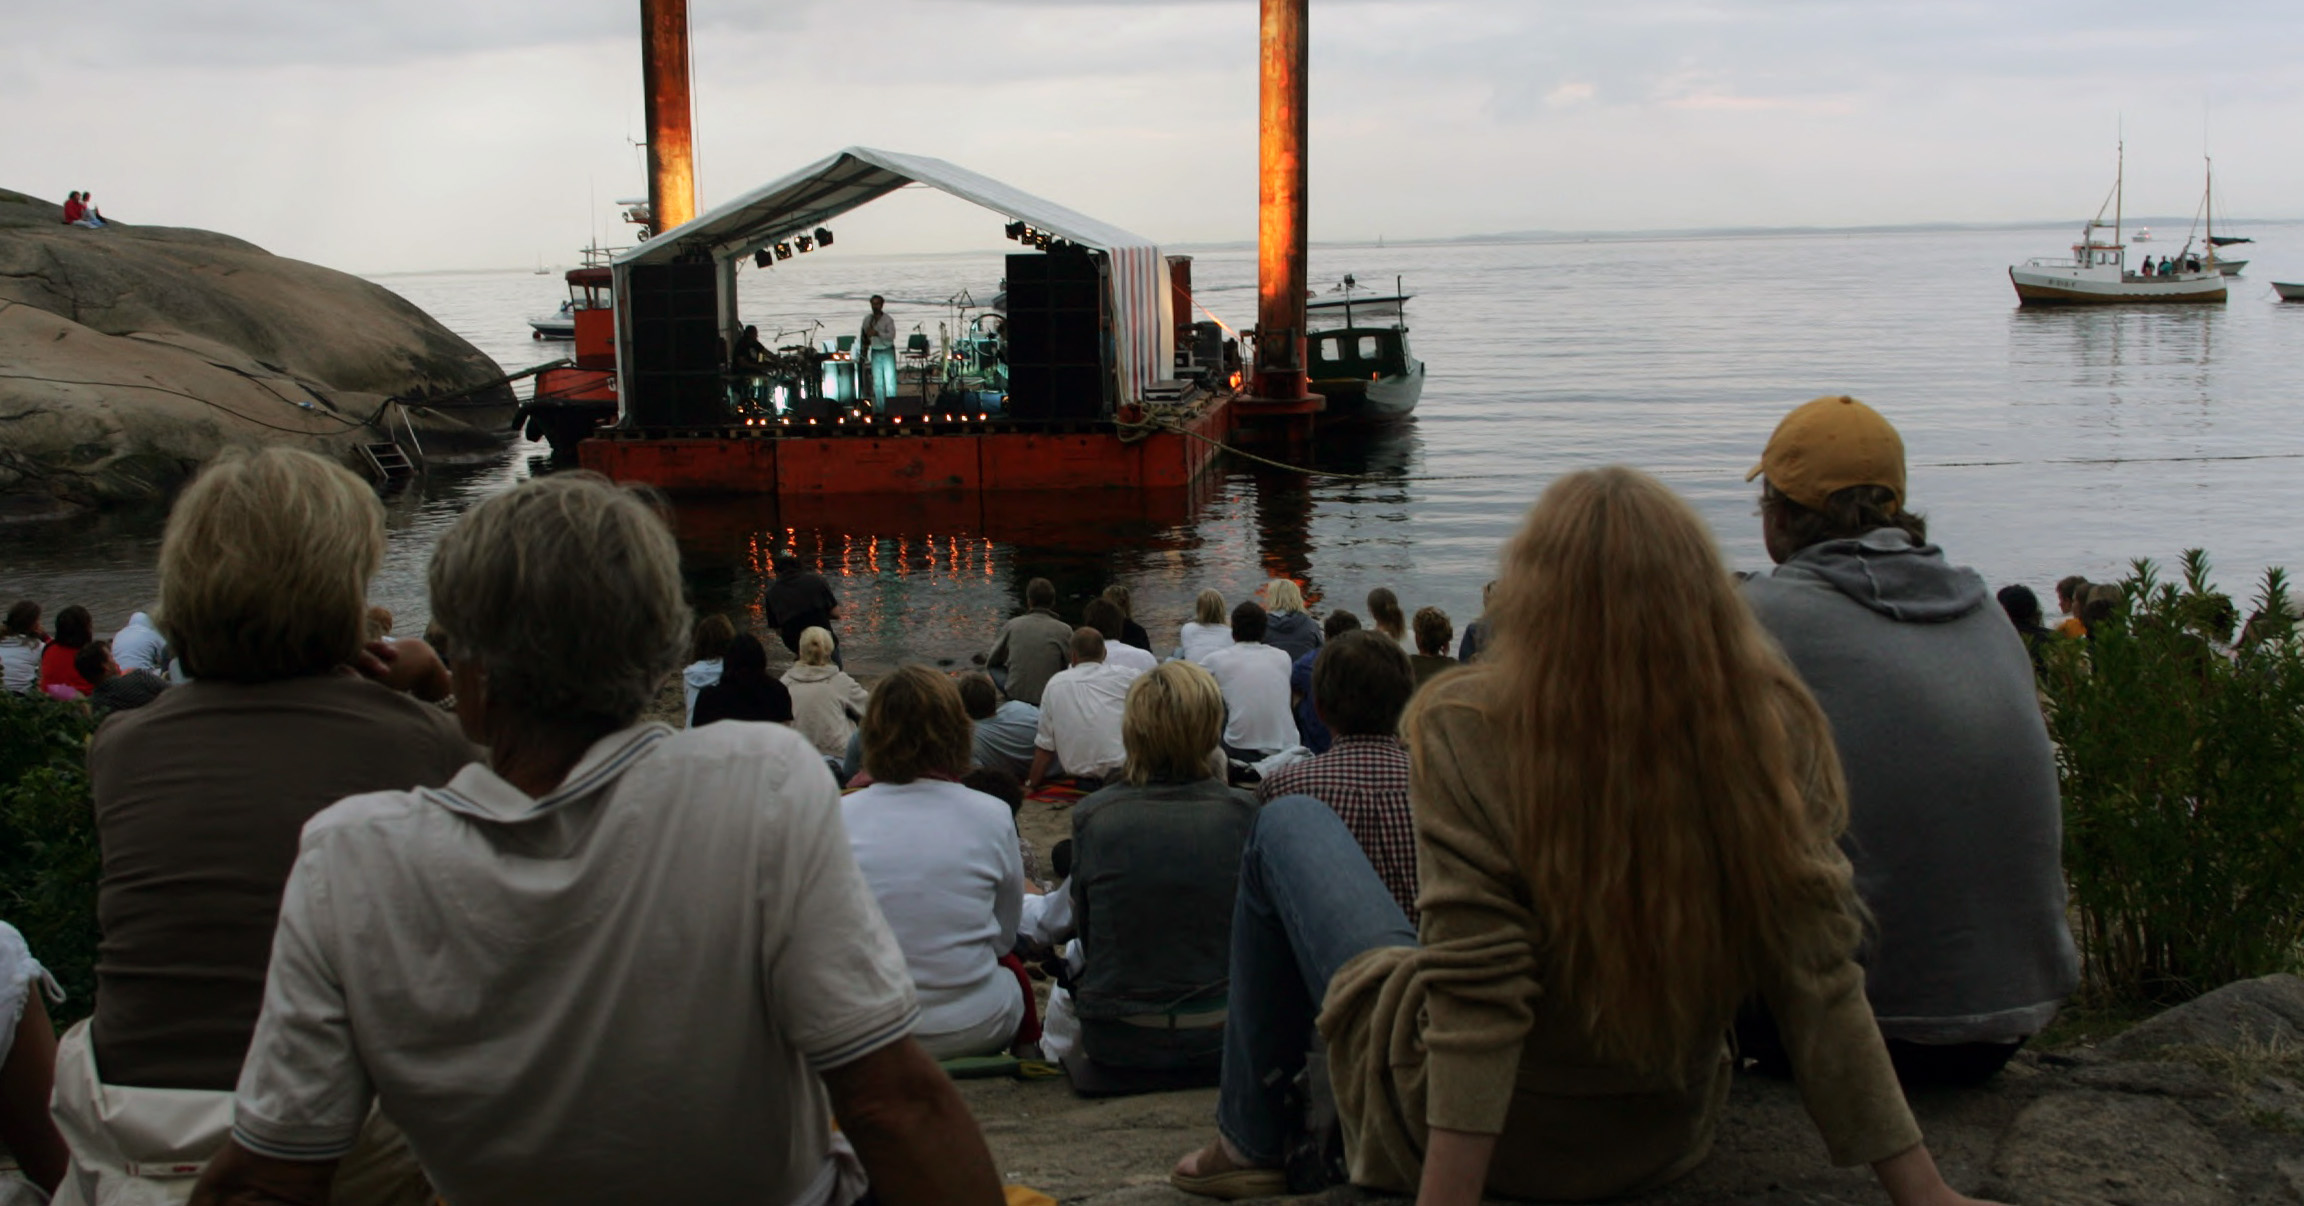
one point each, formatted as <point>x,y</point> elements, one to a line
<point>131,355</point>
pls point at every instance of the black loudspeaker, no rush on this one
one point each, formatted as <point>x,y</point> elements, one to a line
<point>1056,322</point>
<point>676,358</point>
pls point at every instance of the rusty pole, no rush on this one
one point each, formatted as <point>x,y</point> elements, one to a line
<point>664,79</point>
<point>1280,225</point>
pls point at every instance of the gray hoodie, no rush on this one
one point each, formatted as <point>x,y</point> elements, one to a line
<point>1955,826</point>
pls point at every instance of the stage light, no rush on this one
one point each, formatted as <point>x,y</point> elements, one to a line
<point>1041,241</point>
<point>805,244</point>
<point>762,258</point>
<point>823,237</point>
<point>1016,230</point>
<point>783,251</point>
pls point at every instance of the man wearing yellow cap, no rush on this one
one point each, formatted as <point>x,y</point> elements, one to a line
<point>1955,828</point>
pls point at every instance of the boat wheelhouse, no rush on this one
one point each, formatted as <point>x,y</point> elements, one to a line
<point>1359,359</point>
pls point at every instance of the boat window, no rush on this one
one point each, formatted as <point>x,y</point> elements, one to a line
<point>1332,348</point>
<point>1367,347</point>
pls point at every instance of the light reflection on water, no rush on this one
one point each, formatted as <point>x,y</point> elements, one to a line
<point>2042,442</point>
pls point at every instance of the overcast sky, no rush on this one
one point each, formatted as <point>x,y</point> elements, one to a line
<point>406,134</point>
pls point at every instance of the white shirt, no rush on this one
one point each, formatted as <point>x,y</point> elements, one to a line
<point>1199,640</point>
<point>882,329</point>
<point>942,861</point>
<point>20,662</point>
<point>1080,718</point>
<point>1254,677</point>
<point>1128,657</point>
<point>622,992</point>
<point>140,646</point>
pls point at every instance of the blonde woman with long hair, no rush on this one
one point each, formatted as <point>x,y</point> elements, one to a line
<point>1626,817</point>
<point>1287,626</point>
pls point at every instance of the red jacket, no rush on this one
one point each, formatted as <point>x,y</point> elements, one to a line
<point>73,210</point>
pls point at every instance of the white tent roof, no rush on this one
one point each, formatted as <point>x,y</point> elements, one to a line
<point>856,177</point>
<point>1144,335</point>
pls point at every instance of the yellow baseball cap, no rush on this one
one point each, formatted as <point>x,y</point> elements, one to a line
<point>1827,445</point>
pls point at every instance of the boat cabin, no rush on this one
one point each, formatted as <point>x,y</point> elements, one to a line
<point>1365,353</point>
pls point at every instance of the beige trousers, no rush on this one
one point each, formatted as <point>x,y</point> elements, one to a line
<point>145,1147</point>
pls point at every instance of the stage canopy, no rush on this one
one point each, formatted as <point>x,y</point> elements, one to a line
<point>1143,321</point>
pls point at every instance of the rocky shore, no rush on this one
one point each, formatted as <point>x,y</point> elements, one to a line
<point>2200,1106</point>
<point>131,355</point>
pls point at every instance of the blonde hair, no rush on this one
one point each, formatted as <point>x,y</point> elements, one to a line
<point>1209,609</point>
<point>1673,785</point>
<point>264,567</point>
<point>1172,727</point>
<point>1280,594</point>
<point>815,648</point>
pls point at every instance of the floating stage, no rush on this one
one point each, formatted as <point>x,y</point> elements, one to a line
<point>788,458</point>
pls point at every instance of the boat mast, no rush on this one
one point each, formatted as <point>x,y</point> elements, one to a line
<point>2208,203</point>
<point>2119,201</point>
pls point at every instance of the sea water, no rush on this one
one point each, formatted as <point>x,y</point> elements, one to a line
<point>2041,442</point>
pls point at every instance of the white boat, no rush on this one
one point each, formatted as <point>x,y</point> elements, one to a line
<point>1360,360</point>
<point>2097,272</point>
<point>2288,292</point>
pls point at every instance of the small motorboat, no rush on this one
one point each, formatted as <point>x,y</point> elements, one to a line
<point>1360,361</point>
<point>560,324</point>
<point>2288,292</point>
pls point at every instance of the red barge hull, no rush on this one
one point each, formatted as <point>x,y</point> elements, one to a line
<point>915,457</point>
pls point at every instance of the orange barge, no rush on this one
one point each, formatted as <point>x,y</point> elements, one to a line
<point>919,456</point>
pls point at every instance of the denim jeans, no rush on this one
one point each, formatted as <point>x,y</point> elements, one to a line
<point>1309,902</point>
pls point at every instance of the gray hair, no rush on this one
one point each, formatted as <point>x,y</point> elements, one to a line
<point>566,592</point>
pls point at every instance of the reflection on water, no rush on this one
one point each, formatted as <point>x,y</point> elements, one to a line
<point>2042,442</point>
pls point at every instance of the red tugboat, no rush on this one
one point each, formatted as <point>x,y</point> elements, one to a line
<point>573,399</point>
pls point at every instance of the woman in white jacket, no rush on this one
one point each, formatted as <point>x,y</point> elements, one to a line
<point>825,701</point>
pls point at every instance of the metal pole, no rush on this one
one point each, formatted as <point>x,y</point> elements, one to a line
<point>664,80</point>
<point>1280,228</point>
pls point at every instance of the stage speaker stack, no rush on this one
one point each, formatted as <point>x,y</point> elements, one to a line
<point>676,359</point>
<point>1056,321</point>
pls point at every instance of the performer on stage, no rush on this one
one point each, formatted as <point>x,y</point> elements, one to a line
<point>876,355</point>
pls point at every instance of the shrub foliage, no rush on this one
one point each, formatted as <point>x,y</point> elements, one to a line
<point>2181,755</point>
<point>48,855</point>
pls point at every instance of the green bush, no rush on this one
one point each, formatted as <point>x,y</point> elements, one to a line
<point>2181,760</point>
<point>48,855</point>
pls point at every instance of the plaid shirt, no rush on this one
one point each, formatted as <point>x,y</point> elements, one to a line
<point>1365,779</point>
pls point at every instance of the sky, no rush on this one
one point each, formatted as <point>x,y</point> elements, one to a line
<point>400,135</point>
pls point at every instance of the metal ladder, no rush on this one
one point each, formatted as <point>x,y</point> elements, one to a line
<point>387,459</point>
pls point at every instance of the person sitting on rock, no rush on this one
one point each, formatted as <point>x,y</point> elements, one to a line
<point>1207,631</point>
<point>1955,823</point>
<point>826,702</point>
<point>617,962</point>
<point>1287,626</point>
<point>1254,679</point>
<point>1311,731</point>
<point>1627,816</point>
<point>714,633</point>
<point>943,862</point>
<point>200,794</point>
<point>115,690</point>
<point>1433,632</point>
<point>22,641</point>
<point>746,691</point>
<point>1107,619</point>
<point>1005,728</point>
<point>59,678</point>
<point>1155,861</point>
<point>1032,647</point>
<point>1081,713</point>
<point>1360,684</point>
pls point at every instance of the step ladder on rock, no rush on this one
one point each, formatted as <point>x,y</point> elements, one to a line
<point>389,462</point>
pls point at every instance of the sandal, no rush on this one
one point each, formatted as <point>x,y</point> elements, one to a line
<point>1220,1178</point>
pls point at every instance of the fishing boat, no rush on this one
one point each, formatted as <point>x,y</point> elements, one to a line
<point>1360,360</point>
<point>2227,266</point>
<point>2288,292</point>
<point>2097,272</point>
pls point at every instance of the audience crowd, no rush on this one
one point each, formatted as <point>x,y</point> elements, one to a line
<point>390,920</point>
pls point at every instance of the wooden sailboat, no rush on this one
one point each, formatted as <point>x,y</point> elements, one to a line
<point>2097,273</point>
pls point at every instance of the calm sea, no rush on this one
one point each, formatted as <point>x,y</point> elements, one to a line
<point>2042,442</point>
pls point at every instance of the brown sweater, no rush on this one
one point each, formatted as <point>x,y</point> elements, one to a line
<point>1459,1032</point>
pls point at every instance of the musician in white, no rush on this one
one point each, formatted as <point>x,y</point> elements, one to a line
<point>876,355</point>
